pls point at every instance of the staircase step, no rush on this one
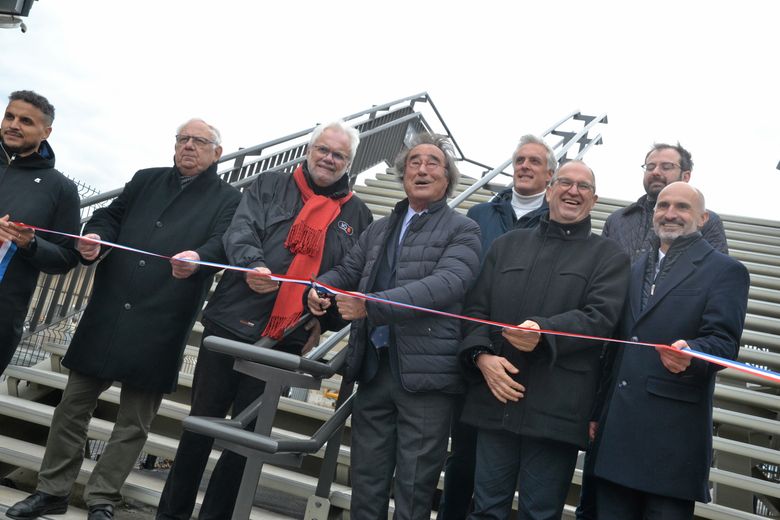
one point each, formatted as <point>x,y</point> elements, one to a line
<point>168,408</point>
<point>9,497</point>
<point>146,488</point>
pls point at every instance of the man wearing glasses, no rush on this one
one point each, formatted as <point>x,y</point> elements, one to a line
<point>531,394</point>
<point>632,226</point>
<point>299,224</point>
<point>425,254</point>
<point>520,206</point>
<point>136,324</point>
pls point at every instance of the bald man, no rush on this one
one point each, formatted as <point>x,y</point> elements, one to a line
<point>653,445</point>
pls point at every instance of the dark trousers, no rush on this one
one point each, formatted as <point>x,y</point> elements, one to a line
<point>543,469</point>
<point>459,469</point>
<point>396,430</point>
<point>616,502</point>
<point>586,509</point>
<point>10,334</point>
<point>215,388</point>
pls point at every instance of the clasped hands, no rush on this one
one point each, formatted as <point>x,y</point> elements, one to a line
<point>498,371</point>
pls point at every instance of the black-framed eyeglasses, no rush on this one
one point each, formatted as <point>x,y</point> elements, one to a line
<point>325,151</point>
<point>665,166</point>
<point>182,139</point>
<point>582,186</point>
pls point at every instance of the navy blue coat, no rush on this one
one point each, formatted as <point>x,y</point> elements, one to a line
<point>496,217</point>
<point>656,436</point>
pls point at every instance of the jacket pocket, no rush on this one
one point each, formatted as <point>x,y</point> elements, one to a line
<point>674,390</point>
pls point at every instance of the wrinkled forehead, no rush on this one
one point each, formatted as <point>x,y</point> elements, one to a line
<point>682,193</point>
<point>197,129</point>
<point>426,151</point>
<point>577,172</point>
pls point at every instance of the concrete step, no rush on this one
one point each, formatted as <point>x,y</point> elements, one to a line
<point>145,487</point>
<point>9,497</point>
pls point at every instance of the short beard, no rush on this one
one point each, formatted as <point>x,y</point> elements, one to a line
<point>11,150</point>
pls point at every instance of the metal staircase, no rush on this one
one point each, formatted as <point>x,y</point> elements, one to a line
<point>747,423</point>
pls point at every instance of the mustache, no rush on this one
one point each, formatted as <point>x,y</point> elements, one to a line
<point>674,221</point>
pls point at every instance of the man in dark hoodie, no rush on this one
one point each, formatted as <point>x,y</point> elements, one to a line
<point>33,192</point>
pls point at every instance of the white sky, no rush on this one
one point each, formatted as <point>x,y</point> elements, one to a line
<point>123,77</point>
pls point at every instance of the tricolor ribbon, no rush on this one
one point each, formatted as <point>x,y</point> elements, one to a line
<point>710,358</point>
<point>7,250</point>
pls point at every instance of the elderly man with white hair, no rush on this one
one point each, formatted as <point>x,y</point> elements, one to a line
<point>270,233</point>
<point>136,324</point>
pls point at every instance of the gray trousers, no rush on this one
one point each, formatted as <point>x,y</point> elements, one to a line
<point>68,435</point>
<point>393,429</point>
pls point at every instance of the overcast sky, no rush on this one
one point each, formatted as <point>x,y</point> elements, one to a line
<point>122,77</point>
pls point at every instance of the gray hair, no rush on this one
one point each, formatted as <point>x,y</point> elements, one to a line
<point>552,164</point>
<point>340,126</point>
<point>36,100</point>
<point>215,135</point>
<point>442,143</point>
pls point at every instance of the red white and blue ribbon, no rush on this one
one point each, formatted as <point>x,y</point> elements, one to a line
<point>321,287</point>
<point>7,250</point>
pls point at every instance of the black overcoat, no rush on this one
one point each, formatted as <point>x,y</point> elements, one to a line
<point>136,324</point>
<point>657,433</point>
<point>566,279</point>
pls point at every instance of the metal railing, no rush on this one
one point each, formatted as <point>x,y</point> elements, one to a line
<point>747,421</point>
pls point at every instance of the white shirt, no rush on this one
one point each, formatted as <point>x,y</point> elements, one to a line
<point>407,218</point>
<point>522,204</point>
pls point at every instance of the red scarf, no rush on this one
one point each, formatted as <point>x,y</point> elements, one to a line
<point>306,240</point>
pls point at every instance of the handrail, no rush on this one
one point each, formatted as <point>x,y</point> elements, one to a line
<point>560,152</point>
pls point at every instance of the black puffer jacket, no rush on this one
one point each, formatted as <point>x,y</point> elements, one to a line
<point>632,228</point>
<point>256,238</point>
<point>438,260</point>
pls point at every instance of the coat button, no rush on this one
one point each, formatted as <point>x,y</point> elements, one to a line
<point>128,306</point>
<point>158,224</point>
<point>142,263</point>
<point>622,384</point>
<point>634,339</point>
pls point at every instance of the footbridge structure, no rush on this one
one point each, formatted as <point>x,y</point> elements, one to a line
<point>299,449</point>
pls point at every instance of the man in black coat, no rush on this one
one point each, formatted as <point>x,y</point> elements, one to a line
<point>136,324</point>
<point>263,236</point>
<point>653,447</point>
<point>531,396</point>
<point>521,206</point>
<point>424,254</point>
<point>31,192</point>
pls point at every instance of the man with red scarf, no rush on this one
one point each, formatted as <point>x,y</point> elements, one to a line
<point>300,225</point>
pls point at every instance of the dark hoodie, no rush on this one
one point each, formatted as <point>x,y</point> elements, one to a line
<point>33,192</point>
